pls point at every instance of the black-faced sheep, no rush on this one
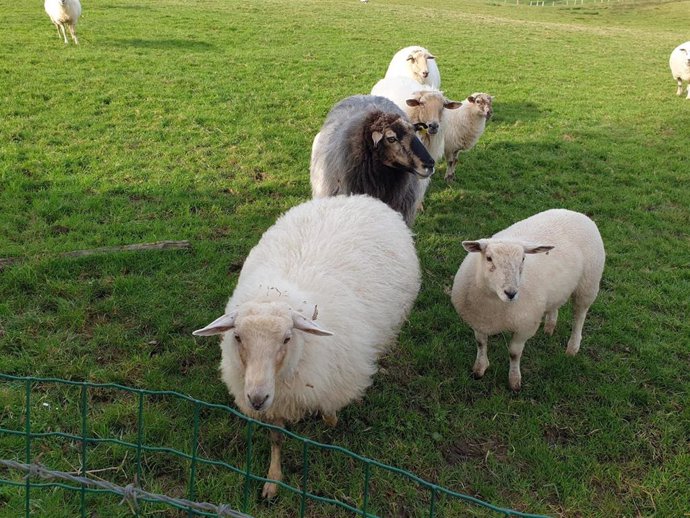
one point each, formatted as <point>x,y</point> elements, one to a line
<point>367,146</point>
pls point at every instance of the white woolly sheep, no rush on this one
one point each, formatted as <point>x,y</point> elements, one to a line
<point>367,146</point>
<point>64,12</point>
<point>424,106</point>
<point>350,260</point>
<point>525,273</point>
<point>680,66</point>
<point>417,63</point>
<point>463,127</point>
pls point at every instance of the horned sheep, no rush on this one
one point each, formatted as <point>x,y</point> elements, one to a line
<point>319,299</point>
<point>417,63</point>
<point>368,146</point>
<point>64,13</point>
<point>524,273</point>
<point>464,127</point>
<point>680,66</point>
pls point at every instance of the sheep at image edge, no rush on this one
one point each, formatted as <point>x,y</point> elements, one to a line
<point>64,12</point>
<point>417,63</point>
<point>524,273</point>
<point>680,66</point>
<point>346,262</point>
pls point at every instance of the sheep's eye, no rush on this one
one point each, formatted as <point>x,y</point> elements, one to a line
<point>523,259</point>
<point>489,259</point>
<point>391,139</point>
<point>287,339</point>
<point>237,337</point>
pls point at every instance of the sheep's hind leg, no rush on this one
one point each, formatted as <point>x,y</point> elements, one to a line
<point>680,87</point>
<point>73,33</point>
<point>688,97</point>
<point>517,345</point>
<point>579,314</point>
<point>64,33</point>
<point>275,472</point>
<point>550,319</point>
<point>482,361</point>
<point>330,419</point>
<point>451,162</point>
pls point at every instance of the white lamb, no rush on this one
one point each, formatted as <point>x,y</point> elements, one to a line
<point>348,260</point>
<point>680,66</point>
<point>463,127</point>
<point>64,12</point>
<point>525,273</point>
<point>416,63</point>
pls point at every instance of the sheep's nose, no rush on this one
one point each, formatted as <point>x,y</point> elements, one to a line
<point>425,74</point>
<point>433,128</point>
<point>257,400</point>
<point>510,294</point>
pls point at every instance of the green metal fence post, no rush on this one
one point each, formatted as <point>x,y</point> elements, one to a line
<point>433,502</point>
<point>248,467</point>
<point>367,476</point>
<point>27,427</point>
<point>83,448</point>
<point>195,448</point>
<point>140,435</point>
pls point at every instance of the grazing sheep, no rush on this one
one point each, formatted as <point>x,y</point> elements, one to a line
<point>425,107</point>
<point>367,146</point>
<point>349,263</point>
<point>508,283</point>
<point>64,12</point>
<point>680,66</point>
<point>463,128</point>
<point>416,63</point>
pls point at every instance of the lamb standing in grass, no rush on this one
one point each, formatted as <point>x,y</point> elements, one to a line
<point>680,66</point>
<point>348,260</point>
<point>64,12</point>
<point>463,128</point>
<point>417,63</point>
<point>525,273</point>
<point>367,146</point>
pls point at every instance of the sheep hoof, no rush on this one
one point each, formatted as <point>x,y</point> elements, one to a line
<point>549,328</point>
<point>572,349</point>
<point>477,375</point>
<point>270,491</point>
<point>449,177</point>
<point>330,420</point>
<point>515,387</point>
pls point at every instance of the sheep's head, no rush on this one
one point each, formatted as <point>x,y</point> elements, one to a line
<point>426,110</point>
<point>396,145</point>
<point>483,103</point>
<point>419,66</point>
<point>686,53</point>
<point>266,337</point>
<point>502,262</point>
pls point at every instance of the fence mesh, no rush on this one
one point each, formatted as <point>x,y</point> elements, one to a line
<point>70,435</point>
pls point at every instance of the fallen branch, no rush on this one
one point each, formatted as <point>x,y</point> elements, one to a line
<point>159,245</point>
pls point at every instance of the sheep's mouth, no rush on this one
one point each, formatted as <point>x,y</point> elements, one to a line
<point>428,171</point>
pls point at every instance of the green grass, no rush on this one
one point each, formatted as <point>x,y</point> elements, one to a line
<point>194,120</point>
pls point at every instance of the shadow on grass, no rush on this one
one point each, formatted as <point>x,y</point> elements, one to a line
<point>163,44</point>
<point>509,113</point>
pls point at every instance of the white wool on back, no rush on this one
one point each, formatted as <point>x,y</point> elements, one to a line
<point>63,11</point>
<point>400,67</point>
<point>353,259</point>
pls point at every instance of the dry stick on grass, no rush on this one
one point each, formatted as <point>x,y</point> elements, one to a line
<point>159,245</point>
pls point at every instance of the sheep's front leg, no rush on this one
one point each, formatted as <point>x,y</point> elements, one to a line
<point>482,361</point>
<point>688,97</point>
<point>270,489</point>
<point>680,87</point>
<point>330,419</point>
<point>517,344</point>
<point>64,33</point>
<point>451,162</point>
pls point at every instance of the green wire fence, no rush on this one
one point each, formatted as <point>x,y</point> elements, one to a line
<point>91,434</point>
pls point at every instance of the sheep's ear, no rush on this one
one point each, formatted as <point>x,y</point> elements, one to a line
<point>537,249</point>
<point>410,57</point>
<point>474,246</point>
<point>376,136</point>
<point>308,326</point>
<point>412,102</point>
<point>429,56</point>
<point>452,105</point>
<point>470,99</point>
<point>218,326</point>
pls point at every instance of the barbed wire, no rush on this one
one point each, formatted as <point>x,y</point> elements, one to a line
<point>129,493</point>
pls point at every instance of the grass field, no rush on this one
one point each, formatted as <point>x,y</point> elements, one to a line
<point>194,120</point>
